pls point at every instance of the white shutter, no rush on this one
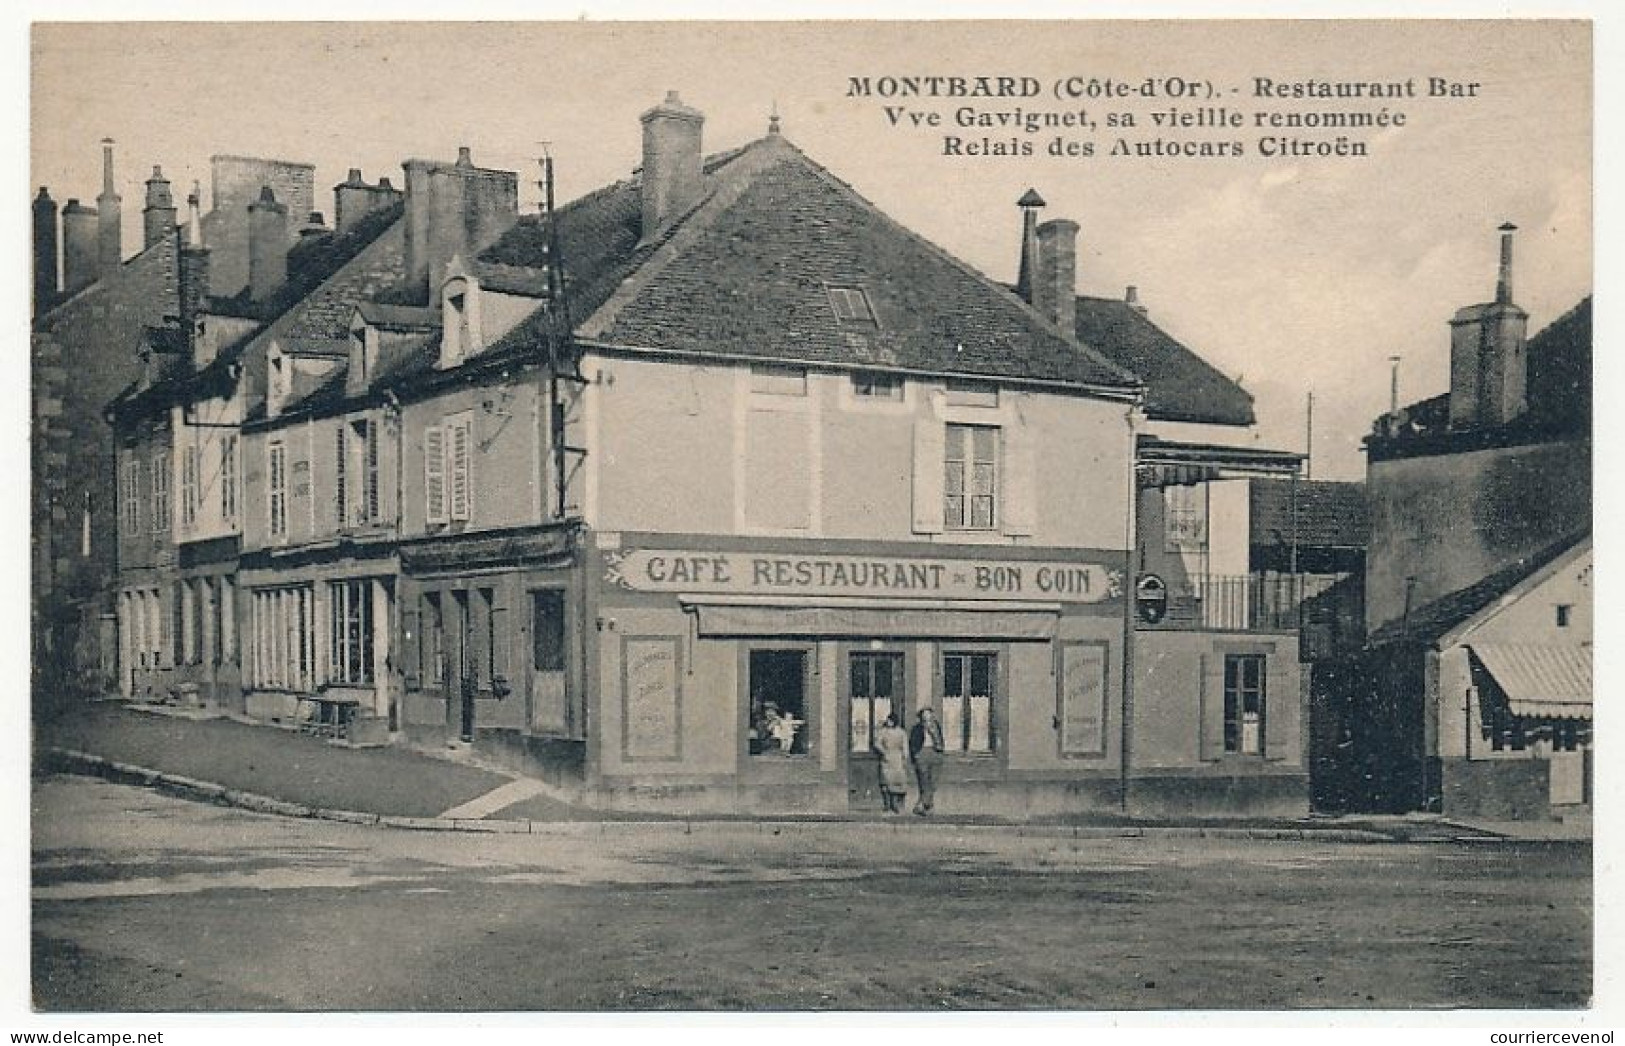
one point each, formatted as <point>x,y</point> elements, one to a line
<point>928,453</point>
<point>462,479</point>
<point>434,474</point>
<point>1018,499</point>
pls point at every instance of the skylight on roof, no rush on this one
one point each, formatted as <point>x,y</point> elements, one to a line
<point>851,305</point>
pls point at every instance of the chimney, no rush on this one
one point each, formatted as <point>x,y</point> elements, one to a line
<point>1029,203</point>
<point>79,246</point>
<point>354,199</point>
<point>453,209</point>
<point>267,245</point>
<point>45,284</point>
<point>1488,355</point>
<point>194,267</point>
<point>109,239</point>
<point>1055,292</point>
<point>158,216</point>
<point>314,227</point>
<point>1131,298</point>
<point>672,163</point>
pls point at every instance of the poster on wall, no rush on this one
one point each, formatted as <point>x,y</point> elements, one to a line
<point>1083,699</point>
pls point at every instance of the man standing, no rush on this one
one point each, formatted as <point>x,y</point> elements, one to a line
<point>925,748</point>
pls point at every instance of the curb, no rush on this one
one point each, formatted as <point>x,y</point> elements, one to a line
<point>190,788</point>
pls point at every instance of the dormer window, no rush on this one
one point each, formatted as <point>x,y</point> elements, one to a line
<point>851,305</point>
<point>460,321</point>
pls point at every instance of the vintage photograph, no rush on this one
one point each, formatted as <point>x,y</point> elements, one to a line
<point>773,517</point>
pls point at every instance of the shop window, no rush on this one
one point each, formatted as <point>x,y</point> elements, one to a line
<point>778,381</point>
<point>876,685</point>
<point>350,617</point>
<point>283,621</point>
<point>970,481</point>
<point>1244,704</point>
<point>778,702</point>
<point>972,394</point>
<point>967,702</point>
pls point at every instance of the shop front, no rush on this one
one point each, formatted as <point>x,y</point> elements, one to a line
<point>752,675</point>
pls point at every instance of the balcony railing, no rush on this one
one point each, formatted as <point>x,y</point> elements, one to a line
<point>1236,602</point>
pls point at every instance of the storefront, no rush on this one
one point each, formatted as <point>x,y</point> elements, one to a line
<point>751,674</point>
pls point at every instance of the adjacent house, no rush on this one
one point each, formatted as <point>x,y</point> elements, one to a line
<point>1475,697</point>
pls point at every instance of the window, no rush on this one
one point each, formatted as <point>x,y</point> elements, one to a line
<point>228,478</point>
<point>547,630</point>
<point>284,637</point>
<point>189,487</point>
<point>130,498</point>
<point>972,394</point>
<point>778,703</point>
<point>967,702</point>
<point>457,332</point>
<point>1184,510</point>
<point>431,649</point>
<point>160,493</point>
<point>277,485</point>
<point>1244,704</point>
<point>876,682</point>
<point>350,643</point>
<point>851,305</point>
<point>1564,611</point>
<point>778,381</point>
<point>970,477</point>
<point>877,386</point>
<point>368,502</point>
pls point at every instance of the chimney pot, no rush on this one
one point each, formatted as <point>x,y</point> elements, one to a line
<point>109,238</point>
<point>267,245</point>
<point>80,251</point>
<point>464,158</point>
<point>45,242</point>
<point>158,215</point>
<point>1055,291</point>
<point>1029,203</point>
<point>354,177</point>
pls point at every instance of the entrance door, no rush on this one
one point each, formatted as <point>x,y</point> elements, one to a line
<point>460,683</point>
<point>874,691</point>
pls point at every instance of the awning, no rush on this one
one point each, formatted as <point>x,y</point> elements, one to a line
<point>832,618</point>
<point>1540,681</point>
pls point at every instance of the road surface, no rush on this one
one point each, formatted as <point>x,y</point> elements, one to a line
<point>143,902</point>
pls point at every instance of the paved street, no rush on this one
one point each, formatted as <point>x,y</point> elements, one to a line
<point>145,902</point>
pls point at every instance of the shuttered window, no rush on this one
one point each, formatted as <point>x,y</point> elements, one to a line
<point>228,478</point>
<point>189,487</point>
<point>130,498</point>
<point>341,476</point>
<point>369,465</point>
<point>277,486</point>
<point>460,468</point>
<point>160,493</point>
<point>434,474</point>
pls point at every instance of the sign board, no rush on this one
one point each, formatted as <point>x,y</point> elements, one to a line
<point>779,574</point>
<point>651,726</point>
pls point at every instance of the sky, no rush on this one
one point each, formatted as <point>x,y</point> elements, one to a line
<point>1291,274</point>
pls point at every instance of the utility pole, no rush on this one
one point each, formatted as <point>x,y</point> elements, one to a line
<point>1309,438</point>
<point>1393,384</point>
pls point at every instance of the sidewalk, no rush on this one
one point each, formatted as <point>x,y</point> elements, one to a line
<point>282,771</point>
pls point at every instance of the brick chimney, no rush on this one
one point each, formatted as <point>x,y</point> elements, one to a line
<point>80,266</point>
<point>193,276</point>
<point>1055,279</point>
<point>453,209</point>
<point>672,163</point>
<point>1029,203</point>
<point>1488,355</point>
<point>354,199</point>
<point>158,216</point>
<point>110,232</point>
<point>267,245</point>
<point>45,281</point>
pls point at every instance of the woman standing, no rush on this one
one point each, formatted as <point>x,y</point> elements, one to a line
<point>891,744</point>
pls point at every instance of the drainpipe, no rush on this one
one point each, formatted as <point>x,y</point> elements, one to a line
<point>1126,744</point>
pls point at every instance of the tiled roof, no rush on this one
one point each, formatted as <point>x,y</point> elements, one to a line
<point>1331,514</point>
<point>1180,385</point>
<point>399,317</point>
<point>1432,620</point>
<point>747,274</point>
